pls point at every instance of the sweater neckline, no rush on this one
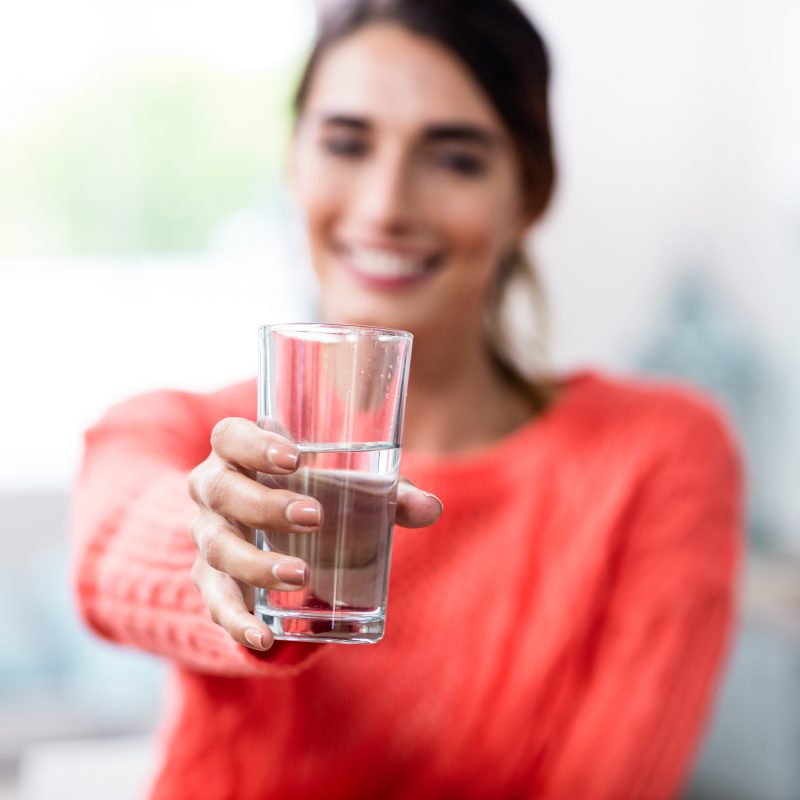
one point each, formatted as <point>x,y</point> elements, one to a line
<point>503,449</point>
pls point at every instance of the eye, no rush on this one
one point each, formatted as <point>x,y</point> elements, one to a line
<point>344,146</point>
<point>461,162</point>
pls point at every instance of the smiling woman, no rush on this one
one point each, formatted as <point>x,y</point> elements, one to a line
<point>536,639</point>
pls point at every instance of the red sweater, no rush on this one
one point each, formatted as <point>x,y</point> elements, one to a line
<point>557,634</point>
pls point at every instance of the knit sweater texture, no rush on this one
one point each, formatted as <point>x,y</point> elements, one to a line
<point>558,633</point>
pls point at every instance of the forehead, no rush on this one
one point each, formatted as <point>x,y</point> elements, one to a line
<point>395,77</point>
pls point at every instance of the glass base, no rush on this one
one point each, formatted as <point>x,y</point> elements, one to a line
<point>295,626</point>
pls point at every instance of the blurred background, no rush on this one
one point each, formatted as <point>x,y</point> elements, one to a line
<point>145,233</point>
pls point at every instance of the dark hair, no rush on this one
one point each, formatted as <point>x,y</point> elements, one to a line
<point>505,54</point>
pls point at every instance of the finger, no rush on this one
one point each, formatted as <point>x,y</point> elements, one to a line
<point>223,547</point>
<point>236,496</point>
<point>415,508</point>
<point>227,608</point>
<point>244,444</point>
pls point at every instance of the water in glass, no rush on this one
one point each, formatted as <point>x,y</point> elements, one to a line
<point>348,557</point>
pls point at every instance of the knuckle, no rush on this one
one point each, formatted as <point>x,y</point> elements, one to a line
<point>214,488</point>
<point>194,481</point>
<point>195,528</point>
<point>212,546</point>
<point>220,431</point>
<point>196,573</point>
<point>265,507</point>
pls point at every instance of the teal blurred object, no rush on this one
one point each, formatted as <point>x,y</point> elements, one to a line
<point>46,649</point>
<point>57,680</point>
<point>113,684</point>
<point>701,342</point>
<point>22,662</point>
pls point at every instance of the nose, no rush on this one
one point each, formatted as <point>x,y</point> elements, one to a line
<point>384,204</point>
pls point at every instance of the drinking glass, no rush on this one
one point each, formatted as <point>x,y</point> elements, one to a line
<point>338,391</point>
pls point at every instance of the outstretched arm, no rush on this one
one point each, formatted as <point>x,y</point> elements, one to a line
<point>164,571</point>
<point>133,553</point>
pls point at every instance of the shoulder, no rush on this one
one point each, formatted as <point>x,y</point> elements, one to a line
<point>662,409</point>
<point>648,420</point>
<point>169,408</point>
<point>662,458</point>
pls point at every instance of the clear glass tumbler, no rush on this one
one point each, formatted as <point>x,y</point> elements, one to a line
<point>338,391</point>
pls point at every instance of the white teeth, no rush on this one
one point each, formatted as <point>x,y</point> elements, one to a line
<point>384,264</point>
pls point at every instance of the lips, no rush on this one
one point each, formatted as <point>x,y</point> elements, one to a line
<point>380,267</point>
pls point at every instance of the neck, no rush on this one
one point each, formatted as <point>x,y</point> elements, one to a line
<point>457,400</point>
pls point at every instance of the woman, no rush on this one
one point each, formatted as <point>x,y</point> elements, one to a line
<point>559,632</point>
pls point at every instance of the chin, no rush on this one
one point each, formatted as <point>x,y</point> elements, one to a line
<point>370,318</point>
<point>362,309</point>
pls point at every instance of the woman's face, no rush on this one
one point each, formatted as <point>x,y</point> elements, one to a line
<point>409,185</point>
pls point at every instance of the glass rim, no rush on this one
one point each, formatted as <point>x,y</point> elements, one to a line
<point>330,328</point>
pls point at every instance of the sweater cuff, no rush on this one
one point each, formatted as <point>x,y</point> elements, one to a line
<point>134,587</point>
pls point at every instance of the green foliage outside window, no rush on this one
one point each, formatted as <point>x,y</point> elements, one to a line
<point>142,160</point>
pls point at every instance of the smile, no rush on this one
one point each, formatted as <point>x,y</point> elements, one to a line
<point>385,268</point>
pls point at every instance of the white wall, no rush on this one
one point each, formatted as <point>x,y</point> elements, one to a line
<point>677,135</point>
<point>80,335</point>
<point>677,130</point>
<point>677,126</point>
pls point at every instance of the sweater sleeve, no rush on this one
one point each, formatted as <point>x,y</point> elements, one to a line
<point>662,636</point>
<point>132,551</point>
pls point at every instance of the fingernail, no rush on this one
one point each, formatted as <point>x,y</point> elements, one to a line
<point>295,573</point>
<point>283,455</point>
<point>434,497</point>
<point>253,636</point>
<point>301,512</point>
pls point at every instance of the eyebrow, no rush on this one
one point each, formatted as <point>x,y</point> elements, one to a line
<point>345,121</point>
<point>461,132</point>
<point>450,131</point>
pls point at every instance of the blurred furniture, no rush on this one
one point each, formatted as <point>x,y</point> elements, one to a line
<point>57,681</point>
<point>88,769</point>
<point>752,749</point>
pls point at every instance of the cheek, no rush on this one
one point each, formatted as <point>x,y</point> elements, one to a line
<point>320,190</point>
<point>480,227</point>
<point>317,200</point>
